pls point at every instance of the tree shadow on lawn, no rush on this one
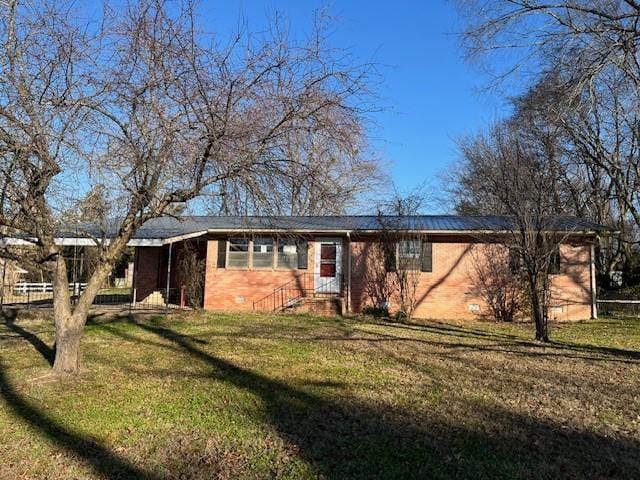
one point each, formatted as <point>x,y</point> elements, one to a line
<point>345,439</point>
<point>493,341</point>
<point>9,316</point>
<point>355,439</point>
<point>103,461</point>
<point>514,340</point>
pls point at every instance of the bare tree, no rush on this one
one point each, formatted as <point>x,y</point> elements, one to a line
<point>581,59</point>
<point>585,39</point>
<point>326,175</point>
<point>148,105</point>
<point>520,176</point>
<point>597,148</point>
<point>404,251</point>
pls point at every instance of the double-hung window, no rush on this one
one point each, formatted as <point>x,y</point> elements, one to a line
<point>409,254</point>
<point>287,253</point>
<point>263,252</point>
<point>238,253</point>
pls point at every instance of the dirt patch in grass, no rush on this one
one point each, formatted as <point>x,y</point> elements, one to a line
<point>255,396</point>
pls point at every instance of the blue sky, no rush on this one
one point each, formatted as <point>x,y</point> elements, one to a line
<point>432,95</point>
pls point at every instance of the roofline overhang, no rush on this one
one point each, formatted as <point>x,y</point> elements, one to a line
<point>375,231</point>
<point>160,241</point>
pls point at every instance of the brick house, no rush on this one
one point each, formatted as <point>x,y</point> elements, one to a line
<point>324,264</point>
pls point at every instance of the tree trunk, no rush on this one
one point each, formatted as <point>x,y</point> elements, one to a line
<point>68,328</point>
<point>70,322</point>
<point>68,336</point>
<point>538,310</point>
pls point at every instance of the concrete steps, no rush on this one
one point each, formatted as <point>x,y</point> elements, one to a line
<point>155,298</point>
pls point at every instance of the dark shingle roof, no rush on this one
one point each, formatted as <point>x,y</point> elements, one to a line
<point>166,227</point>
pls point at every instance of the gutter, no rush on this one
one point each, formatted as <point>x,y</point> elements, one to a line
<point>373,231</point>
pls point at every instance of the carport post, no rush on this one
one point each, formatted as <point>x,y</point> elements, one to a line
<point>4,273</point>
<point>166,299</point>
<point>594,288</point>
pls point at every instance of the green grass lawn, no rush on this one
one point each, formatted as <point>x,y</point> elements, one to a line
<point>248,396</point>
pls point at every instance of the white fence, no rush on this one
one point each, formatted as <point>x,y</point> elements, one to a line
<point>28,287</point>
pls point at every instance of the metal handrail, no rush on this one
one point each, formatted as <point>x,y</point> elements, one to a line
<point>291,292</point>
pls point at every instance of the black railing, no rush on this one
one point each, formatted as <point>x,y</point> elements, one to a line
<point>292,292</point>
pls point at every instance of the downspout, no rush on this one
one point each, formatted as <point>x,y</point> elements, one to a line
<point>592,272</point>
<point>349,272</point>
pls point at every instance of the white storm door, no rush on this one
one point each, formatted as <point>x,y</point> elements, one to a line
<point>328,265</point>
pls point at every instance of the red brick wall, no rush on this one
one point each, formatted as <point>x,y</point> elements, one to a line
<point>145,271</point>
<point>446,292</point>
<point>237,289</point>
<point>571,289</point>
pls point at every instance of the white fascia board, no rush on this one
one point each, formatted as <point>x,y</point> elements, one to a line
<point>80,242</point>
<point>13,242</point>
<point>158,242</point>
<point>181,238</point>
<point>145,242</point>
<point>278,230</point>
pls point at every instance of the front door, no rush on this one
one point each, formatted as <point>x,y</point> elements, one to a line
<point>328,265</point>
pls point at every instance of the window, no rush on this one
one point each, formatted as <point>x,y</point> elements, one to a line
<point>287,253</point>
<point>292,253</point>
<point>328,260</point>
<point>554,262</point>
<point>515,261</point>
<point>409,254</point>
<point>263,252</point>
<point>238,253</point>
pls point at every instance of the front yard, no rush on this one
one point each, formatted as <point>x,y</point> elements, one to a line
<point>222,396</point>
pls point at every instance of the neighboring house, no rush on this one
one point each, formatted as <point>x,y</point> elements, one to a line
<point>324,264</point>
<point>11,272</point>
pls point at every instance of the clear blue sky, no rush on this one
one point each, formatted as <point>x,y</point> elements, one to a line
<point>433,96</point>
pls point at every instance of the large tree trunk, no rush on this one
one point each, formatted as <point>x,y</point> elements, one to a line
<point>68,336</point>
<point>70,322</point>
<point>68,329</point>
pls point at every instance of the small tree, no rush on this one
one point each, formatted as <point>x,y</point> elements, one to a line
<point>517,174</point>
<point>375,281</point>
<point>402,248</point>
